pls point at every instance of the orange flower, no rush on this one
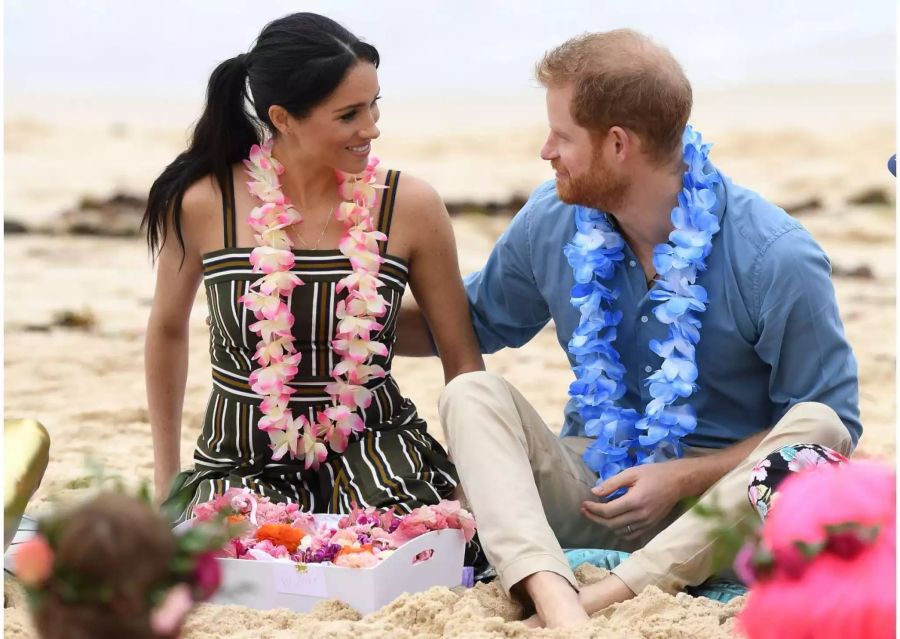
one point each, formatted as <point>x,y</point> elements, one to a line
<point>34,561</point>
<point>352,550</point>
<point>280,535</point>
<point>236,519</point>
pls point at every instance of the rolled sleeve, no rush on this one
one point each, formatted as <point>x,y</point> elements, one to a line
<point>506,305</point>
<point>801,336</point>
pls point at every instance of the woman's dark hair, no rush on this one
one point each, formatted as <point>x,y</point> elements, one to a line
<point>296,62</point>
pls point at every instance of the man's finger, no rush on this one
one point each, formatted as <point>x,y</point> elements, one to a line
<point>620,527</point>
<point>624,479</point>
<point>633,533</point>
<point>621,523</point>
<point>610,509</point>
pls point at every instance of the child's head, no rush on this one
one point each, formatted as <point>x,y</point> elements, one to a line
<point>112,568</point>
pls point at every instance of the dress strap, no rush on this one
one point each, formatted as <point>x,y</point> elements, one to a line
<point>228,212</point>
<point>386,213</point>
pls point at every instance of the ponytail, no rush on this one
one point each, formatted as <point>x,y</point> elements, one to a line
<point>223,136</point>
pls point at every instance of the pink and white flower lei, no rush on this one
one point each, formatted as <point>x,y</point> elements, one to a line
<point>357,313</point>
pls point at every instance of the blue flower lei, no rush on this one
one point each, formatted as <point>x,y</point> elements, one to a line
<point>625,438</point>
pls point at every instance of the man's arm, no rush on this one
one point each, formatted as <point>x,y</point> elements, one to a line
<point>801,336</point>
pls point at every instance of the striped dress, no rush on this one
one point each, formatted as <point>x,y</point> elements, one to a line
<point>393,462</point>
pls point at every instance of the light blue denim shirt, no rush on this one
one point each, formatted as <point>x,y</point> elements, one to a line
<point>771,334</point>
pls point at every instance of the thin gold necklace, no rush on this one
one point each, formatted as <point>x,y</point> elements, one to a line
<point>321,235</point>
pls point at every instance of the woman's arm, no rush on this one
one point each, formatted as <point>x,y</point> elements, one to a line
<point>166,345</point>
<point>435,279</point>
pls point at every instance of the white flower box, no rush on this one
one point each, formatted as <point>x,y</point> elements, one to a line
<point>280,583</point>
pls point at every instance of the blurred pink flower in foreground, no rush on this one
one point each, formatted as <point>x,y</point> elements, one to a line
<point>848,589</point>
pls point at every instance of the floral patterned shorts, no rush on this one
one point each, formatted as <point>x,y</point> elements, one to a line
<point>772,470</point>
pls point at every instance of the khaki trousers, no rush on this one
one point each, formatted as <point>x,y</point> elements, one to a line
<point>525,487</point>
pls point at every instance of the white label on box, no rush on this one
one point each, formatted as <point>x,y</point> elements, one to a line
<point>299,579</point>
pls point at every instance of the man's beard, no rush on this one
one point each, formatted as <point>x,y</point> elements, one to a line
<point>600,188</point>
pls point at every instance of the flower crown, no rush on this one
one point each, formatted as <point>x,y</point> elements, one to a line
<point>758,562</point>
<point>193,573</point>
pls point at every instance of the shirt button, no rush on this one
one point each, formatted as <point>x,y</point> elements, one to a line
<point>648,369</point>
<point>632,263</point>
<point>645,319</point>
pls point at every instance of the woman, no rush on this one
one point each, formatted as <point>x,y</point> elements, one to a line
<point>304,267</point>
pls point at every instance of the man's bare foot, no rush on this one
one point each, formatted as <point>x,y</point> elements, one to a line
<point>555,600</point>
<point>603,594</point>
<point>533,621</point>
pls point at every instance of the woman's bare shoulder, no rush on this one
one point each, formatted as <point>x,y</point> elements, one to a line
<point>202,198</point>
<point>201,214</point>
<point>416,196</point>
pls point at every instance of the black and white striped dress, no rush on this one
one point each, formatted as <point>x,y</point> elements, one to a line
<point>394,462</point>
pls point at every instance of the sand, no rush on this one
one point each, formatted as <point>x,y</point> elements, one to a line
<point>86,384</point>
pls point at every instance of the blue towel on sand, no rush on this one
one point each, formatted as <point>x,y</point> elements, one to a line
<point>716,588</point>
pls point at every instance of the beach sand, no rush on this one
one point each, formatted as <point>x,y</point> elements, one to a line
<point>86,384</point>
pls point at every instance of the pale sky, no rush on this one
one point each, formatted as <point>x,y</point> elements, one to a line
<point>170,46</point>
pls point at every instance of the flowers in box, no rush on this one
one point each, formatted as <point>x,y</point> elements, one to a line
<point>359,539</point>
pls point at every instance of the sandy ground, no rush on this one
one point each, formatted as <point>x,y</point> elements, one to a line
<point>87,386</point>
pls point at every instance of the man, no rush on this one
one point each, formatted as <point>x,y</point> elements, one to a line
<point>772,362</point>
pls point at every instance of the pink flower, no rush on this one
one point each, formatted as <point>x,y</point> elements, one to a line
<point>288,440</point>
<point>207,575</point>
<point>363,194</point>
<point>314,451</point>
<point>350,395</point>
<point>288,216</point>
<point>356,560</point>
<point>272,379</point>
<point>167,618</point>
<point>360,255</point>
<point>805,459</point>
<point>356,373</point>
<point>275,350</point>
<point>337,423</point>
<point>275,551</point>
<point>344,537</point>
<point>834,596</point>
<point>350,213</point>
<point>220,503</point>
<point>263,306</point>
<point>759,472</point>
<point>264,170</point>
<point>357,349</point>
<point>278,282</point>
<point>345,419</point>
<point>275,237</point>
<point>279,325</point>
<point>263,217</point>
<point>266,259</point>
<point>420,521</point>
<point>275,405</point>
<point>34,561</point>
<point>456,517</point>
<point>364,282</point>
<point>243,503</point>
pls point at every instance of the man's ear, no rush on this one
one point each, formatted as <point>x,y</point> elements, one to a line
<point>622,142</point>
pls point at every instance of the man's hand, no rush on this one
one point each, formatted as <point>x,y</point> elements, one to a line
<point>653,491</point>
